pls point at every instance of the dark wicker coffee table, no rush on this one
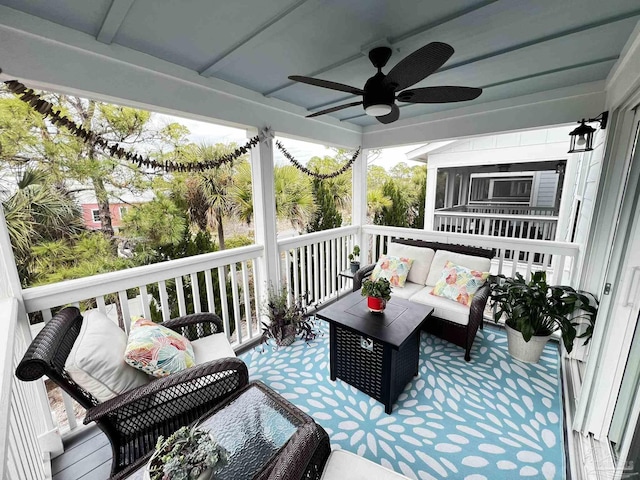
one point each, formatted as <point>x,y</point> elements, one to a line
<point>376,353</point>
<point>265,437</point>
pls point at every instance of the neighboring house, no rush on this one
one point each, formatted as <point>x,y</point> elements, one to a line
<point>507,185</point>
<point>117,206</point>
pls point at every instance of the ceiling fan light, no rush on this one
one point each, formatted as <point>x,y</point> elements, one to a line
<point>378,110</point>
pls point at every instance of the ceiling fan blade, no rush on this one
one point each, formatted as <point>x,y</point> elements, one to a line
<point>443,94</point>
<point>327,84</point>
<point>390,117</point>
<point>334,109</point>
<point>419,65</point>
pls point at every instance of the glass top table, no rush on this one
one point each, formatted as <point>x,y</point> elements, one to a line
<point>253,427</point>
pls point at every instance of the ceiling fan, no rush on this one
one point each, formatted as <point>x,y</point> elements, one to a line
<point>381,91</point>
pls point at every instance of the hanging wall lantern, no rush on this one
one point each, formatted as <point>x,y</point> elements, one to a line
<point>582,135</point>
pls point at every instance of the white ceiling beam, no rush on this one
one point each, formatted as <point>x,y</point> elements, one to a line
<point>504,51</point>
<point>46,55</point>
<point>553,107</point>
<point>394,42</point>
<point>113,20</point>
<point>281,21</point>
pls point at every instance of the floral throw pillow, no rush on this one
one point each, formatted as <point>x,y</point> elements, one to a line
<point>394,269</point>
<point>157,350</point>
<point>459,283</point>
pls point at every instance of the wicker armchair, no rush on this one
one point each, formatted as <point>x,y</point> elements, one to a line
<point>133,420</point>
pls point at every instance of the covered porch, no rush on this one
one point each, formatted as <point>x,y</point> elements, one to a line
<point>94,52</point>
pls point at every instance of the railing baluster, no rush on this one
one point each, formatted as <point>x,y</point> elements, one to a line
<point>68,408</point>
<point>144,300</point>
<point>323,271</point>
<point>316,276</point>
<point>296,275</point>
<point>195,291</point>
<point>46,314</point>
<point>182,308</point>
<point>514,262</point>
<point>100,304</point>
<point>256,296</point>
<point>333,265</point>
<point>236,301</point>
<point>164,301</point>
<point>247,298</point>
<point>222,284</point>
<point>208,283</point>
<point>303,273</point>
<point>124,308</point>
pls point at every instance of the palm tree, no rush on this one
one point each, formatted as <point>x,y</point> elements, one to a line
<point>294,196</point>
<point>36,212</point>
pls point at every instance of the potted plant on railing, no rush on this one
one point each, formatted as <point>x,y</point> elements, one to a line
<point>378,293</point>
<point>533,310</point>
<point>287,319</point>
<point>188,453</point>
<point>354,258</point>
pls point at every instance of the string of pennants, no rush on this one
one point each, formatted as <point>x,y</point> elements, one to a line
<point>47,110</point>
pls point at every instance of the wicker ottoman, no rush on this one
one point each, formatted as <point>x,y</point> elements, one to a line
<point>376,353</point>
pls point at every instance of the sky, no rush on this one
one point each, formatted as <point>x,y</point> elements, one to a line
<point>301,151</point>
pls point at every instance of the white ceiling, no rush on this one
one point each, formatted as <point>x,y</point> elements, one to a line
<point>510,48</point>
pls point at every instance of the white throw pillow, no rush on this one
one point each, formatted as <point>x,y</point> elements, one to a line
<point>441,258</point>
<point>96,360</point>
<point>422,258</point>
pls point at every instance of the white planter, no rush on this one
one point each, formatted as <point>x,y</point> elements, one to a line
<point>528,352</point>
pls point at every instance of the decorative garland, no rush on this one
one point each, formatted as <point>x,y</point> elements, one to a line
<point>320,176</point>
<point>87,136</point>
<point>45,108</point>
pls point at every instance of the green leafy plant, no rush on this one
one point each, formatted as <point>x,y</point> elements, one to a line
<point>380,288</point>
<point>353,256</point>
<point>185,455</point>
<point>537,308</point>
<point>287,318</point>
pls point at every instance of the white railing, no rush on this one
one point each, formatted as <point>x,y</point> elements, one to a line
<point>222,282</point>
<point>503,209</point>
<point>21,419</point>
<point>558,259</point>
<point>534,227</point>
<point>311,263</point>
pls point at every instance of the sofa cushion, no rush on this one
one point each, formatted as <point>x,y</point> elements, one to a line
<point>96,360</point>
<point>459,283</point>
<point>442,307</point>
<point>407,291</point>
<point>394,269</point>
<point>212,347</point>
<point>422,258</point>
<point>343,465</point>
<point>157,350</point>
<point>441,258</point>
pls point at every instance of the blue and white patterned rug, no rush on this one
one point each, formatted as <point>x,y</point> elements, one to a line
<point>491,418</point>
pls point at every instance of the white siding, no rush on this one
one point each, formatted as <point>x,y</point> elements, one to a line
<point>547,185</point>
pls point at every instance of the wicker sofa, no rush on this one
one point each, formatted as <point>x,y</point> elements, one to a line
<point>451,320</point>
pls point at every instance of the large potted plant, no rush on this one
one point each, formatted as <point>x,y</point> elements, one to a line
<point>287,318</point>
<point>378,293</point>
<point>533,310</point>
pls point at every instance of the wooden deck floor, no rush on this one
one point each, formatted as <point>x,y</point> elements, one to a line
<point>87,456</point>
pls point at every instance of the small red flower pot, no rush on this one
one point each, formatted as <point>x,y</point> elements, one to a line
<point>376,305</point>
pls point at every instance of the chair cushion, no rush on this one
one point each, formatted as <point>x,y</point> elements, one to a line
<point>407,291</point>
<point>157,350</point>
<point>96,360</point>
<point>443,307</point>
<point>459,283</point>
<point>441,258</point>
<point>343,465</point>
<point>212,347</point>
<point>422,258</point>
<point>394,269</point>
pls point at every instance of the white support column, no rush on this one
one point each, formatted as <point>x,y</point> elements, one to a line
<point>264,211</point>
<point>359,201</point>
<point>430,197</point>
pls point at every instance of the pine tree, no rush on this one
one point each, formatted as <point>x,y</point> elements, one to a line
<point>396,214</point>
